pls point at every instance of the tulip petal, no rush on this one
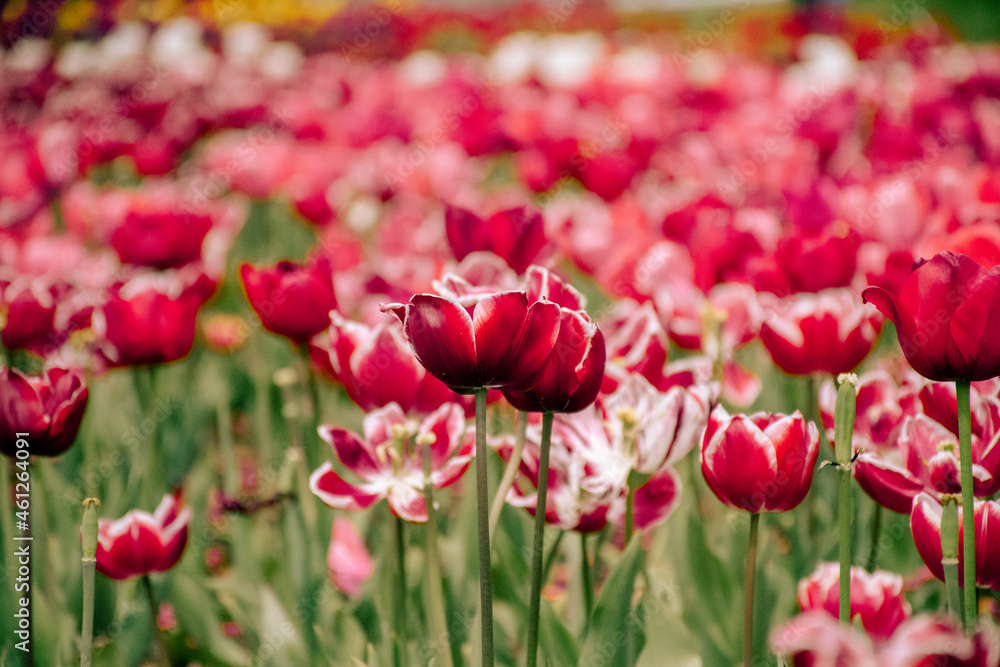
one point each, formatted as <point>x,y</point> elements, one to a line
<point>890,486</point>
<point>739,465</point>
<point>657,498</point>
<point>351,450</point>
<point>975,327</point>
<point>925,524</point>
<point>407,503</point>
<point>441,333</point>
<point>338,494</point>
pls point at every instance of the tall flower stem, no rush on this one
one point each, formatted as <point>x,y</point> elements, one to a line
<point>587,581</point>
<point>435,597</point>
<point>844,413</point>
<point>949,553</point>
<point>962,392</point>
<point>311,425</point>
<point>629,513</point>
<point>509,472</point>
<point>483,524</point>
<point>534,606</point>
<point>400,607</point>
<point>748,594</point>
<point>88,564</point>
<point>162,655</point>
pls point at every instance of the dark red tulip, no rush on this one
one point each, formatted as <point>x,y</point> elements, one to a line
<point>147,321</point>
<point>377,367</point>
<point>925,524</point>
<point>140,543</point>
<point>27,310</point>
<point>947,318</point>
<point>828,331</point>
<point>818,261</point>
<point>499,342</point>
<point>759,463</point>
<point>517,235</point>
<point>49,408</point>
<point>159,235</point>
<point>292,300</point>
<point>876,598</point>
<point>572,375</point>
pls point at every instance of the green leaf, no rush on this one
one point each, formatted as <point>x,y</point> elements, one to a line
<point>558,645</point>
<point>609,625</point>
<point>197,614</point>
<point>666,634</point>
<point>278,631</point>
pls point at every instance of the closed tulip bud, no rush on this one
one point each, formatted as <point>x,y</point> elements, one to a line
<point>876,598</point>
<point>49,408</point>
<point>140,543</point>
<point>759,463</point>
<point>292,300</point>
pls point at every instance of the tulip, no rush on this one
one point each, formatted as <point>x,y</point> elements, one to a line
<point>140,543</point>
<point>386,464</point>
<point>759,463</point>
<point>876,598</point>
<point>947,318</point>
<point>377,368</point>
<point>27,311</point>
<point>637,343</point>
<point>517,235</point>
<point>348,560</point>
<point>501,343</point>
<point>816,639</point>
<point>160,236</point>
<point>828,332</point>
<point>292,300</point>
<point>49,408</point>
<point>571,377</point>
<point>925,523</point>
<point>148,320</point>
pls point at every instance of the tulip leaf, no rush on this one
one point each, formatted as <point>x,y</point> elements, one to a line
<point>278,632</point>
<point>558,644</point>
<point>609,625</point>
<point>666,634</point>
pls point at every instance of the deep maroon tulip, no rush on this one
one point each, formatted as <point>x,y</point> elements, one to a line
<point>377,368</point>
<point>828,332</point>
<point>48,408</point>
<point>925,523</point>
<point>27,311</point>
<point>290,299</point>
<point>517,235</point>
<point>161,236</point>
<point>876,598</point>
<point>140,543</point>
<point>145,323</point>
<point>572,375</point>
<point>947,317</point>
<point>759,463</point>
<point>499,342</point>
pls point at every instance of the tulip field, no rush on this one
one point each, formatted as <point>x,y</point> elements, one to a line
<point>389,334</point>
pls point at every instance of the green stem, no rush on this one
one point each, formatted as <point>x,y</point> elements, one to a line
<point>483,529</point>
<point>435,598</point>
<point>844,513</point>
<point>586,578</point>
<point>553,555</point>
<point>401,588</point>
<point>160,648</point>
<point>629,513</point>
<point>748,595</point>
<point>534,602</point>
<point>87,626</point>
<point>509,473</point>
<point>962,392</point>
<point>876,536</point>
<point>949,554</point>
<point>311,425</point>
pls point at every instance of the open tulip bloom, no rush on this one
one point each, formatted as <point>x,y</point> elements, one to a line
<point>140,543</point>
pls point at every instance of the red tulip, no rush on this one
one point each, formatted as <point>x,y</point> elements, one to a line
<point>762,462</point>
<point>49,408</point>
<point>348,560</point>
<point>140,543</point>
<point>517,235</point>
<point>159,234</point>
<point>27,311</point>
<point>571,377</point>
<point>925,523</point>
<point>876,598</point>
<point>388,465</point>
<point>927,462</point>
<point>499,342</point>
<point>290,299</point>
<point>828,332</point>
<point>377,368</point>
<point>947,318</point>
<point>637,343</point>
<point>148,321</point>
